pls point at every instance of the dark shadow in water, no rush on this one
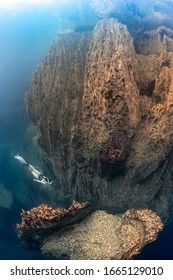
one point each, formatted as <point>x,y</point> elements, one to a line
<point>10,245</point>
<point>161,249</point>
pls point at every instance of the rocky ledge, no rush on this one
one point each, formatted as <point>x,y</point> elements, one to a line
<point>103,236</point>
<point>43,220</point>
<point>73,234</point>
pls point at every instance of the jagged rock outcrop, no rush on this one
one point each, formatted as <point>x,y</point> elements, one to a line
<point>105,236</point>
<point>102,102</point>
<point>79,233</point>
<point>43,220</point>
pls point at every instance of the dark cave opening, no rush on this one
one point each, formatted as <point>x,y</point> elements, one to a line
<point>148,89</point>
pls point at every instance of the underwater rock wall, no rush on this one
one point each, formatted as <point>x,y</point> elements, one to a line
<point>102,103</point>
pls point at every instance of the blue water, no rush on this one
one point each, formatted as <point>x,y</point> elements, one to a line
<point>161,248</point>
<point>24,41</point>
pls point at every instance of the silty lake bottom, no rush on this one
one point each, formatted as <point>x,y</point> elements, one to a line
<point>26,36</point>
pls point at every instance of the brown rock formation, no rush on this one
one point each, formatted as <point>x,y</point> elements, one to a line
<point>151,227</point>
<point>43,220</point>
<point>105,236</point>
<point>104,115</point>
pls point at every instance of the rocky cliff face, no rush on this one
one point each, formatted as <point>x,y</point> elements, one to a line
<point>103,103</point>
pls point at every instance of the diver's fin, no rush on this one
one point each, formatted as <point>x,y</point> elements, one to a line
<point>21,159</point>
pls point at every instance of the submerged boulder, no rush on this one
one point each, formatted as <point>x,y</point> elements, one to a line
<point>78,233</point>
<point>104,236</point>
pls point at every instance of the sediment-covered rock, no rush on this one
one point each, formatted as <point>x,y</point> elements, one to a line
<point>102,103</point>
<point>79,233</point>
<point>43,220</point>
<point>105,236</point>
